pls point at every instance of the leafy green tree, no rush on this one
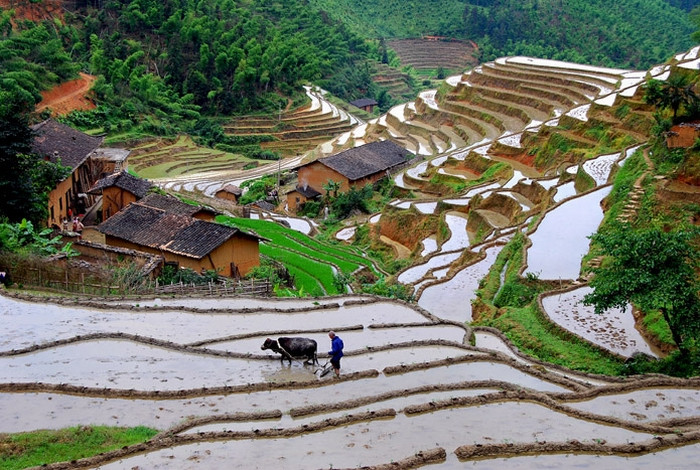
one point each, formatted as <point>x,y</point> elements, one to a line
<point>673,93</point>
<point>331,188</point>
<point>653,269</point>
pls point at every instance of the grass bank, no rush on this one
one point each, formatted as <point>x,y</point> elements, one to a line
<point>33,449</point>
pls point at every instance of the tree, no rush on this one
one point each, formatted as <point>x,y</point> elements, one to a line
<point>673,93</point>
<point>331,188</point>
<point>654,270</point>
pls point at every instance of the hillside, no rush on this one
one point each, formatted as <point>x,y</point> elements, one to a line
<point>630,33</point>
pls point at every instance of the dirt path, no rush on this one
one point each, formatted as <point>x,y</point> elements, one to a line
<point>68,96</point>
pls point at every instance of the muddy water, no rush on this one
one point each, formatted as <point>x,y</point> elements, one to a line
<point>380,441</point>
<point>429,245</point>
<point>613,330</point>
<point>413,274</point>
<point>561,239</point>
<point>346,233</point>
<point>646,405</point>
<point>235,303</point>
<point>565,191</point>
<point>677,459</point>
<point>425,207</point>
<point>599,167</point>
<point>29,411</point>
<point>29,323</point>
<point>457,223</point>
<point>126,365</point>
<point>357,338</point>
<point>451,300</point>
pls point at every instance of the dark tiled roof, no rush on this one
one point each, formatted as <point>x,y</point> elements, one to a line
<point>172,204</point>
<point>232,189</point>
<point>264,205</point>
<point>161,230</point>
<point>308,192</point>
<point>366,160</point>
<point>55,140</point>
<point>123,180</point>
<point>362,102</point>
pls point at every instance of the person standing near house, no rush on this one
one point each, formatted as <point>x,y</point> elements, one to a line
<point>336,351</point>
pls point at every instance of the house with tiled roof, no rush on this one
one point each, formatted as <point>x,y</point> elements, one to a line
<point>58,142</point>
<point>356,167</point>
<point>118,190</point>
<point>366,104</point>
<point>182,239</point>
<point>175,206</point>
<point>299,196</point>
<point>230,192</point>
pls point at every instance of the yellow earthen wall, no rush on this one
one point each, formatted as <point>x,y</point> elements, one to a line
<point>114,200</point>
<point>241,251</point>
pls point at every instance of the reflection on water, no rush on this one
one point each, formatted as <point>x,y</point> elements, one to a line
<point>561,239</point>
<point>451,300</point>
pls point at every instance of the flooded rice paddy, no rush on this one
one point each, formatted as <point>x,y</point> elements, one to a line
<point>412,386</point>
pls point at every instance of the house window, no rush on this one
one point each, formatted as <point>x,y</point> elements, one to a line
<point>60,204</point>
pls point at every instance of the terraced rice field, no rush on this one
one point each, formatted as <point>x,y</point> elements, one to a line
<point>430,54</point>
<point>413,390</point>
<point>314,264</point>
<point>182,158</point>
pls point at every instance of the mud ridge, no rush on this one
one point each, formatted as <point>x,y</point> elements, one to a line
<point>172,441</point>
<point>38,387</point>
<point>272,333</point>
<point>424,457</point>
<point>509,344</point>
<point>658,443</point>
<point>523,395</point>
<point>493,356</point>
<point>349,404</point>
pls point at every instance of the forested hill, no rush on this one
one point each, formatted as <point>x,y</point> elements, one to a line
<point>623,33</point>
<point>175,58</point>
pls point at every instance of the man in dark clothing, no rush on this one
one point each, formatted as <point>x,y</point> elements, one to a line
<point>336,351</point>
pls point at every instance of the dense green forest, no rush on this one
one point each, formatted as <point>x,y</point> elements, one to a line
<point>165,64</point>
<point>625,33</point>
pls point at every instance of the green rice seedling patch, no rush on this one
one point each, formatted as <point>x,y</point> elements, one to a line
<point>322,273</point>
<point>38,448</point>
<point>348,254</point>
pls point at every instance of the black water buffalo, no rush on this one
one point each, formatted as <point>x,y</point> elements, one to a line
<point>291,348</point>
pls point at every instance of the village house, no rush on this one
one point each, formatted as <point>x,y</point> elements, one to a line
<point>57,142</point>
<point>110,160</point>
<point>683,135</point>
<point>365,104</point>
<point>355,167</point>
<point>118,190</point>
<point>229,192</point>
<point>183,240</point>
<point>175,206</point>
<point>298,196</point>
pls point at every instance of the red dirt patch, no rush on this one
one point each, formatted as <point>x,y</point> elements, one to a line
<point>68,96</point>
<point>27,10</point>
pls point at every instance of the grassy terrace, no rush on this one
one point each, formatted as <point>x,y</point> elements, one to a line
<point>310,261</point>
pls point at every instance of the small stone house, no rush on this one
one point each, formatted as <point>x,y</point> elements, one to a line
<point>230,192</point>
<point>365,104</point>
<point>118,190</point>
<point>58,142</point>
<point>683,135</point>
<point>181,239</point>
<point>356,167</point>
